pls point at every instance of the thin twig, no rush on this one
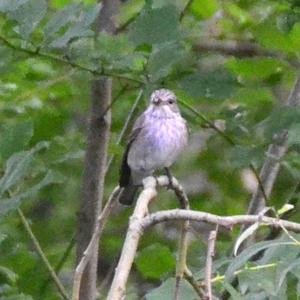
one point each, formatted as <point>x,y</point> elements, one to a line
<point>140,221</point>
<point>188,275</point>
<point>60,263</point>
<point>211,245</point>
<point>41,253</point>
<point>125,126</point>
<point>185,9</point>
<point>183,240</point>
<point>64,61</point>
<point>101,221</point>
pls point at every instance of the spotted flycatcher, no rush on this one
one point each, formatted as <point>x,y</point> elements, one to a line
<point>157,138</point>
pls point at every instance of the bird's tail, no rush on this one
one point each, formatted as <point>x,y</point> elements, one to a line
<point>127,195</point>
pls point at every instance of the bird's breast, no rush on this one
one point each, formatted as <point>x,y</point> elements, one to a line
<point>159,143</point>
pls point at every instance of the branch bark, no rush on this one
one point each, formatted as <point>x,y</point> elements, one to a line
<point>95,160</point>
<point>211,245</point>
<point>276,151</point>
<point>140,221</point>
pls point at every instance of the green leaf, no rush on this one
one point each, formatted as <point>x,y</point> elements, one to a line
<point>80,29</point>
<point>283,118</point>
<point>294,134</point>
<point>235,295</point>
<point>257,280</point>
<point>255,68</point>
<point>253,96</point>
<point>10,5</point>
<point>15,138</point>
<point>204,9</point>
<point>245,255</point>
<point>161,255</point>
<point>162,60</point>
<point>155,26</point>
<point>166,291</point>
<point>245,234</point>
<point>270,37</point>
<point>10,276</point>
<point>61,18</point>
<point>214,85</point>
<point>17,167</point>
<point>9,204</point>
<point>29,15</point>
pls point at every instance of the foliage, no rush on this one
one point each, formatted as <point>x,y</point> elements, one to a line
<point>49,53</point>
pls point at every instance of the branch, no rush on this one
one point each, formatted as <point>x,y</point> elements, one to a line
<point>209,263</point>
<point>41,253</point>
<point>140,221</point>
<point>194,283</point>
<point>276,151</point>
<point>235,48</point>
<point>60,60</point>
<point>87,255</point>
<point>125,127</point>
<point>117,289</point>
<point>226,221</point>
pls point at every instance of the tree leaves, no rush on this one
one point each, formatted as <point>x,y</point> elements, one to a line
<point>29,15</point>
<point>15,138</point>
<point>218,84</point>
<point>156,26</point>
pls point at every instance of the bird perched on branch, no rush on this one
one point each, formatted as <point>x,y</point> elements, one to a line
<point>157,138</point>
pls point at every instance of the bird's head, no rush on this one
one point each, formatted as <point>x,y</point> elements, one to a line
<point>164,101</point>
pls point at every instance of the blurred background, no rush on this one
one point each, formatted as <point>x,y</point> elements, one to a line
<point>231,62</point>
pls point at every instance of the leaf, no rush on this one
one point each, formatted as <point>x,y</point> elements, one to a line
<point>155,26</point>
<point>17,167</point>
<point>80,29</point>
<point>162,60</point>
<point>245,255</point>
<point>281,274</point>
<point>15,138</point>
<point>204,9</point>
<point>282,118</point>
<point>9,204</point>
<point>166,291</point>
<point>285,208</point>
<point>61,18</point>
<point>294,134</point>
<point>255,69</point>
<point>232,291</point>
<point>10,5</point>
<point>257,280</point>
<point>10,276</point>
<point>245,234</point>
<point>29,15</point>
<point>161,255</point>
<point>218,84</point>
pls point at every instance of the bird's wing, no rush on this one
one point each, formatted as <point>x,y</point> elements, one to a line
<point>125,172</point>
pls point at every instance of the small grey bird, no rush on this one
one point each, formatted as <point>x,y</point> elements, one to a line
<point>157,138</point>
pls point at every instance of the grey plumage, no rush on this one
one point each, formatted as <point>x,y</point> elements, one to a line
<point>158,137</point>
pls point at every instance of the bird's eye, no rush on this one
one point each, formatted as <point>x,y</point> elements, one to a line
<point>171,101</point>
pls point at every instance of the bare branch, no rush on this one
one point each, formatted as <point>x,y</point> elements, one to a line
<point>140,221</point>
<point>274,154</point>
<point>226,221</point>
<point>211,245</point>
<point>194,283</point>
<point>235,48</point>
<point>87,255</point>
<point>117,289</point>
<point>125,127</point>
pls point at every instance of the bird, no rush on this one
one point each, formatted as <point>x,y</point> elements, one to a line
<point>157,138</point>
